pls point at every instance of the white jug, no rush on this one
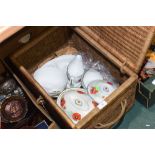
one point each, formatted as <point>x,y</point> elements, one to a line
<point>75,72</point>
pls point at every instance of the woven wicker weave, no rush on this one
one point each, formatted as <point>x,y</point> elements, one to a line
<point>128,44</point>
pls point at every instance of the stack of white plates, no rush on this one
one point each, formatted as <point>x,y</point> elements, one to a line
<point>52,76</point>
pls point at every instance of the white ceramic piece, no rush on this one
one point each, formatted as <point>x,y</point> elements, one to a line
<point>52,76</point>
<point>76,103</point>
<point>60,62</point>
<point>100,89</point>
<point>75,71</point>
<point>76,67</point>
<point>52,79</point>
<point>90,76</point>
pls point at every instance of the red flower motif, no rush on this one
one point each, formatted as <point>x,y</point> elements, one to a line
<point>93,90</point>
<point>81,92</point>
<point>63,103</point>
<point>94,103</point>
<point>76,116</point>
<point>110,83</point>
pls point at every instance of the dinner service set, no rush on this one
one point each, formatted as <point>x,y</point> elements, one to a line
<point>78,90</point>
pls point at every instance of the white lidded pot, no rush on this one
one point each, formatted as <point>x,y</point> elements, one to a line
<point>90,76</point>
<point>76,103</point>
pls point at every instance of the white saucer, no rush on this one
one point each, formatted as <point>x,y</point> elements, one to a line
<point>100,89</point>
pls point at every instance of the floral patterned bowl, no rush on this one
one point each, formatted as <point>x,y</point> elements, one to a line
<point>100,89</point>
<point>76,103</point>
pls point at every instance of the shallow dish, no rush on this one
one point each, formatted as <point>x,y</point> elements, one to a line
<point>52,79</point>
<point>60,62</point>
<point>52,76</point>
<point>100,89</point>
<point>76,103</point>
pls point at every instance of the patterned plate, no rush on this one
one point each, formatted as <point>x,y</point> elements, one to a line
<point>76,103</point>
<point>100,89</point>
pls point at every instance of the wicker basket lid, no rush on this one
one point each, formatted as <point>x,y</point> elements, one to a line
<point>129,44</point>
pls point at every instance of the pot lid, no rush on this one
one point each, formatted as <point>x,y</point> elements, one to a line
<point>129,44</point>
<point>76,103</point>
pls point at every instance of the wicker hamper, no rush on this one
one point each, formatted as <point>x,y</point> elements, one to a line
<point>122,49</point>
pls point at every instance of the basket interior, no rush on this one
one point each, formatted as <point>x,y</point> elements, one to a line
<point>62,40</point>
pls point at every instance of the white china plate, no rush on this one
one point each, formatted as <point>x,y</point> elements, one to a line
<point>45,77</point>
<point>60,62</point>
